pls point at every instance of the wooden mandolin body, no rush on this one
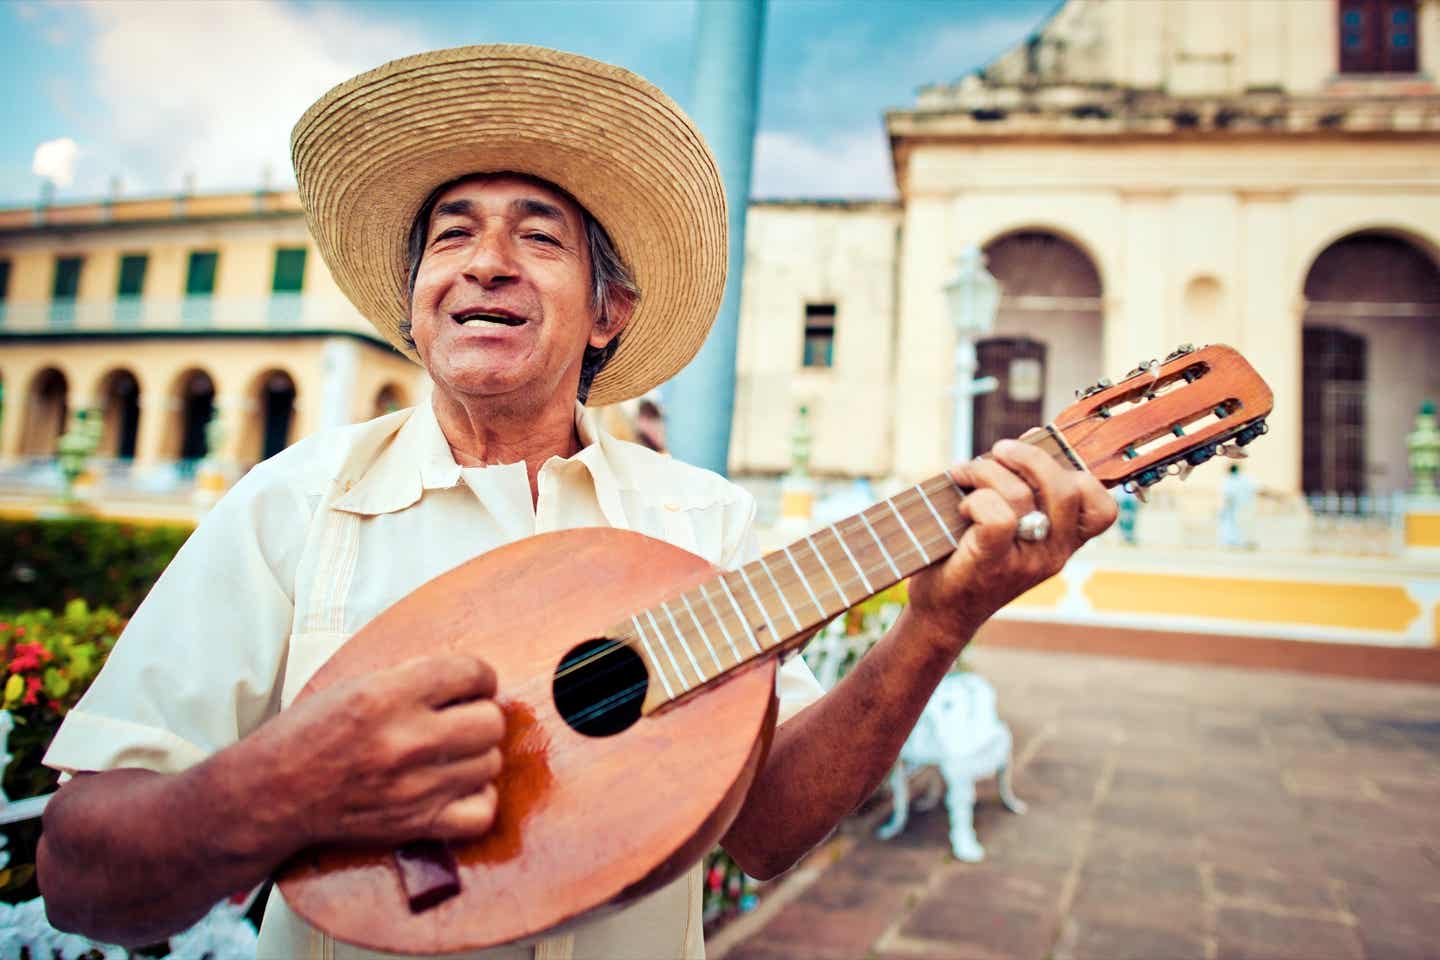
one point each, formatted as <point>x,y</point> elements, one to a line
<point>584,821</point>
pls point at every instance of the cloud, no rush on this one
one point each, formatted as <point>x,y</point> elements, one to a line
<point>55,161</point>
<point>214,88</point>
<point>855,163</point>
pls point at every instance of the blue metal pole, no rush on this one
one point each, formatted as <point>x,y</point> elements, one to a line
<point>700,401</point>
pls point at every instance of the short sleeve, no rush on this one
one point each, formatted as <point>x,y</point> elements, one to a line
<point>197,667</point>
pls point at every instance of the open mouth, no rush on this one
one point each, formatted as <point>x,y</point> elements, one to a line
<point>480,318</point>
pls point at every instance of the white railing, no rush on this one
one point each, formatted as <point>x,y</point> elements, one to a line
<point>279,311</point>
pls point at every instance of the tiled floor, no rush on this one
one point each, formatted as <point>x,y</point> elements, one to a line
<point>1175,812</point>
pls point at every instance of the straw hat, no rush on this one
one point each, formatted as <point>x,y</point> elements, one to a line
<point>370,151</point>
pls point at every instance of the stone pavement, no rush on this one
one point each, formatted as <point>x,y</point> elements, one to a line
<point>1175,812</point>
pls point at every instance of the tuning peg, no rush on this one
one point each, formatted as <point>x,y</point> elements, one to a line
<point>1233,452</point>
<point>1180,351</point>
<point>1093,389</point>
<point>1184,471</point>
<point>1141,493</point>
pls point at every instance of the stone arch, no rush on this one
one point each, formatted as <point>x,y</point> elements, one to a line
<point>192,403</point>
<point>390,397</point>
<point>1370,331</point>
<point>269,424</point>
<point>47,409</point>
<point>118,396</point>
<point>1051,314</point>
<point>1091,251</point>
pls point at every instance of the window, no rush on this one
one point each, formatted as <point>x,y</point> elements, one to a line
<point>132,275</point>
<point>289,270</point>
<point>4,279</point>
<point>819,335</point>
<point>1378,36</point>
<point>67,278</point>
<point>200,276</point>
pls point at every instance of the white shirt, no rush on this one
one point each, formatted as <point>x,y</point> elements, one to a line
<point>313,543</point>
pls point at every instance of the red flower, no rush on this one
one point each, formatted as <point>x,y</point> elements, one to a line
<point>56,705</point>
<point>29,656</point>
<point>32,690</point>
<point>19,631</point>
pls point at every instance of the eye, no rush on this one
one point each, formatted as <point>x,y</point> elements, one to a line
<point>541,238</point>
<point>450,234</point>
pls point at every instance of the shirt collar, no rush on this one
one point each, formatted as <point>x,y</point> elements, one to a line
<point>418,459</point>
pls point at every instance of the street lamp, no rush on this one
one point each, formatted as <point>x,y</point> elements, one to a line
<point>971,298</point>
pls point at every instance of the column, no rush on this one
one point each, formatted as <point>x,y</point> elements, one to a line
<point>924,342</point>
<point>1271,313</point>
<point>341,361</point>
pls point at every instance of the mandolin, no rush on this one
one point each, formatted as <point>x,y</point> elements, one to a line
<point>641,701</point>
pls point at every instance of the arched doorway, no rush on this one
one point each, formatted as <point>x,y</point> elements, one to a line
<point>47,408</point>
<point>390,398</point>
<point>195,403</point>
<point>1048,332</point>
<point>120,413</point>
<point>1371,342</point>
<point>277,412</point>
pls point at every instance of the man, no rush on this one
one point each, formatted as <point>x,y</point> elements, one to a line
<point>532,227</point>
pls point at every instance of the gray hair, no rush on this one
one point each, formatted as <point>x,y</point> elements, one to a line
<point>612,282</point>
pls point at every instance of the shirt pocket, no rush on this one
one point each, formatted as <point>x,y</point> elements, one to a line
<point>308,653</point>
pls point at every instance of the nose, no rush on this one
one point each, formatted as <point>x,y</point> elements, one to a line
<point>491,262</point>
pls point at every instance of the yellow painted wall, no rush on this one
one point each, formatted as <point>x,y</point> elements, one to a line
<point>1346,605</point>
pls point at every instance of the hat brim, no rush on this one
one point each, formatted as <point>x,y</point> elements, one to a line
<point>369,152</point>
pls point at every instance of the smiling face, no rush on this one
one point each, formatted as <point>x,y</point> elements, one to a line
<point>502,307</point>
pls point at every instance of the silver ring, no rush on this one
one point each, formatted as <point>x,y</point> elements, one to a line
<point>1033,527</point>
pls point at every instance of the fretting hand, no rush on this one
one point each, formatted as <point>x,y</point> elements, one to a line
<point>992,566</point>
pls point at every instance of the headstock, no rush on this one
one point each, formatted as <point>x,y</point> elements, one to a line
<point>1167,417</point>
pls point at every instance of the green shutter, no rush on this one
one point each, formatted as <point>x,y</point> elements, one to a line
<point>132,274</point>
<point>200,277</point>
<point>67,277</point>
<point>4,279</point>
<point>289,270</point>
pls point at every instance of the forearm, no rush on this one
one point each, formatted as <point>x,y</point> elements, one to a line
<point>829,758</point>
<point>132,856</point>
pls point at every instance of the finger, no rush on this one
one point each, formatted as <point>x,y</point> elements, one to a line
<point>473,773</point>
<point>469,816</point>
<point>1056,491</point>
<point>467,729</point>
<point>446,678</point>
<point>992,523</point>
<point>992,475</point>
<point>1098,508</point>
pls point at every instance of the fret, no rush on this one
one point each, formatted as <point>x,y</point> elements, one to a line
<point>744,621</point>
<point>831,573</point>
<point>724,630</point>
<point>683,645</point>
<point>781,593</point>
<point>774,635</point>
<point>678,672</point>
<point>906,527</point>
<point>804,580</point>
<point>659,667</point>
<point>944,527</point>
<point>881,544</point>
<point>703,635</point>
<point>846,547</point>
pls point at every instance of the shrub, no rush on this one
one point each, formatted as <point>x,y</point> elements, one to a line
<point>48,661</point>
<point>111,564</point>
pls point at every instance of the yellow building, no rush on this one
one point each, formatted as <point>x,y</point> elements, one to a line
<point>159,313</point>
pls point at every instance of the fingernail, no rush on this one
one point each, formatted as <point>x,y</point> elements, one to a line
<point>1006,448</point>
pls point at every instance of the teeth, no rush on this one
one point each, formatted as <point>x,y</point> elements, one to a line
<point>490,318</point>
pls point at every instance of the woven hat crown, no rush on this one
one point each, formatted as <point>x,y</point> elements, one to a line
<point>370,151</point>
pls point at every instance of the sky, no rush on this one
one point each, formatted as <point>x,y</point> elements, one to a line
<point>153,92</point>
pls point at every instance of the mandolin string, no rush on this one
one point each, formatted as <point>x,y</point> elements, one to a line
<point>848,526</point>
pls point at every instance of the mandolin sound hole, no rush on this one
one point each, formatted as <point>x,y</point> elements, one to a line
<point>599,687</point>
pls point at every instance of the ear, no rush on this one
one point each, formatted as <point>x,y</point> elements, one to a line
<point>619,315</point>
